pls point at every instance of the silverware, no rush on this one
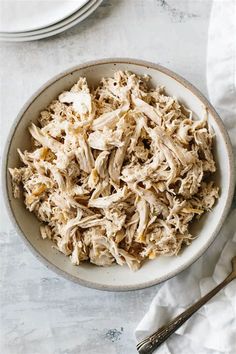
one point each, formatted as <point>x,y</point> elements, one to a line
<point>149,344</point>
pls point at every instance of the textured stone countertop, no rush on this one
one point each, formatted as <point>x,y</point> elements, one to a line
<point>40,312</point>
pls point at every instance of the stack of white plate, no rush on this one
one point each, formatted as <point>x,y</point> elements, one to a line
<point>28,20</point>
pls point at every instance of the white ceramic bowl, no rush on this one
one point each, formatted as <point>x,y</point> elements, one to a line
<point>116,277</point>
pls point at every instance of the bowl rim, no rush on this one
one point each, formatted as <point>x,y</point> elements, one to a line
<point>185,83</point>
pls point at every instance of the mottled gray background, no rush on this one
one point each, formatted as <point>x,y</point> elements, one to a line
<point>41,313</point>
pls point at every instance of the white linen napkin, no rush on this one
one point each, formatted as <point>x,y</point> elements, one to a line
<point>212,330</point>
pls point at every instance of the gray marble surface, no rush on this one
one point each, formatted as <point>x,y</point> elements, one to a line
<point>40,312</point>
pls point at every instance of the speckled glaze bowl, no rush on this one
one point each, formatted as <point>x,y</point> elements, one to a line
<point>117,278</point>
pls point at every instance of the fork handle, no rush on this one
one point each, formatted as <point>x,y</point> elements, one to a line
<point>149,344</point>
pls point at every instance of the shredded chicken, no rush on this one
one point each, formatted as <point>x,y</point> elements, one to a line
<point>117,173</point>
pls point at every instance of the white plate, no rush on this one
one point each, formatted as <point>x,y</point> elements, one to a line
<point>57,25</point>
<point>64,27</point>
<point>116,277</point>
<point>28,15</point>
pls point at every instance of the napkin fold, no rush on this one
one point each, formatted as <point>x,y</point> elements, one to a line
<point>212,330</point>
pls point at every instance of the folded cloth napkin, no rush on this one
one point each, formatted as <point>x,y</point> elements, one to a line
<point>212,330</point>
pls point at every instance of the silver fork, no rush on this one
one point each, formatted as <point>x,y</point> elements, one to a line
<point>150,343</point>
